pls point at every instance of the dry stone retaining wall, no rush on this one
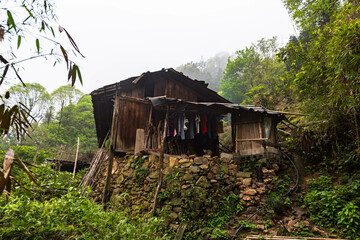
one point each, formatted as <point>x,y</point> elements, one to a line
<point>192,186</point>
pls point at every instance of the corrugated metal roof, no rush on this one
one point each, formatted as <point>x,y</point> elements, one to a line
<point>163,100</point>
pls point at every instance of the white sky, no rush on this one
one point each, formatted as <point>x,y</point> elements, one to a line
<point>121,38</point>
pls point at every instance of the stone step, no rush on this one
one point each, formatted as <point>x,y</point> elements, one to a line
<point>262,237</point>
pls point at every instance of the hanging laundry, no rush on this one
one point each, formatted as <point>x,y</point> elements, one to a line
<point>181,124</point>
<point>204,120</point>
<point>190,132</point>
<point>175,125</point>
<point>197,123</point>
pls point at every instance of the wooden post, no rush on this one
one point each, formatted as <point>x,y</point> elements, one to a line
<point>161,161</point>
<point>76,157</point>
<point>113,133</point>
<point>147,137</point>
<point>139,141</point>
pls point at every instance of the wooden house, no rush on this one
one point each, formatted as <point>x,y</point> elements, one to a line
<point>193,116</point>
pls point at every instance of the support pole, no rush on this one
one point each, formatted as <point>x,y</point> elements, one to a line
<point>113,133</point>
<point>76,157</point>
<point>161,161</point>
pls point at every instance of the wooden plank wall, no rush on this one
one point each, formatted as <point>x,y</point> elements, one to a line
<point>133,114</point>
<point>249,128</point>
<point>177,90</point>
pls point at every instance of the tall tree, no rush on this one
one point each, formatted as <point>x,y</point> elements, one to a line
<point>254,75</point>
<point>76,121</point>
<point>35,22</point>
<point>34,96</point>
<point>65,95</point>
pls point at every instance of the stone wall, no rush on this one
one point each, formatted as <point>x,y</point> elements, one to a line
<point>192,186</point>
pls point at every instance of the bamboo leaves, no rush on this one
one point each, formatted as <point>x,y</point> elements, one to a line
<point>10,21</point>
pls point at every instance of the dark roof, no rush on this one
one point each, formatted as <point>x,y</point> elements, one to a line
<point>133,82</point>
<point>221,107</point>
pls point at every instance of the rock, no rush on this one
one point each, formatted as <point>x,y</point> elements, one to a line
<point>232,166</point>
<point>243,174</point>
<point>290,225</point>
<point>154,175</point>
<point>226,155</point>
<point>177,209</point>
<point>201,161</point>
<point>260,226</point>
<point>194,205</point>
<point>184,160</point>
<point>250,192</point>
<point>176,202</point>
<point>275,167</point>
<point>297,224</point>
<point>173,161</point>
<point>246,181</point>
<point>204,167</point>
<point>246,198</point>
<point>261,190</point>
<point>216,170</point>
<point>167,170</point>
<point>128,173</point>
<point>188,177</point>
<point>194,169</point>
<point>267,180</point>
<point>267,171</point>
<point>210,175</point>
<point>153,158</point>
<point>202,182</point>
<point>225,168</point>
<point>120,179</point>
<point>173,215</point>
<point>174,227</point>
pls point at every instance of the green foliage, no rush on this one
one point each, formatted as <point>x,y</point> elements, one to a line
<point>213,223</point>
<point>58,210</point>
<point>141,173</point>
<point>310,15</point>
<point>324,183</point>
<point>76,121</point>
<point>335,207</point>
<point>224,211</point>
<point>34,96</point>
<point>254,76</point>
<point>27,153</point>
<point>326,82</point>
